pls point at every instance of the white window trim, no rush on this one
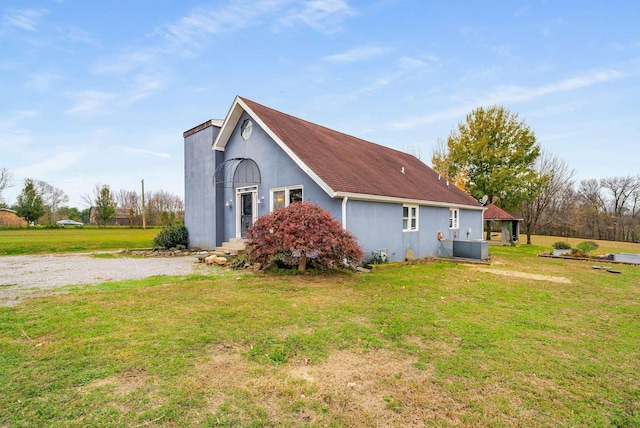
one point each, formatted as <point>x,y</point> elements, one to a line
<point>454,218</point>
<point>409,228</point>
<point>286,191</point>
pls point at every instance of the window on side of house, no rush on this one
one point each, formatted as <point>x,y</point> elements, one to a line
<point>409,218</point>
<point>284,196</point>
<point>454,218</point>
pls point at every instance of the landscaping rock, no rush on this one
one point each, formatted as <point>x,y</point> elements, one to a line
<point>214,259</point>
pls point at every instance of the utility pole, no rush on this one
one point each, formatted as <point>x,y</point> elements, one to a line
<point>144,220</point>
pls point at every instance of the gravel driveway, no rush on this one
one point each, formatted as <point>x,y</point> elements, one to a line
<point>27,276</point>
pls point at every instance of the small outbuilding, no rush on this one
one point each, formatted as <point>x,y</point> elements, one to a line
<point>121,217</point>
<point>496,214</point>
<point>10,218</point>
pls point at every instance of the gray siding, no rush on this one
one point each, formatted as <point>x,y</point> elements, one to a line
<point>199,195</point>
<point>378,227</point>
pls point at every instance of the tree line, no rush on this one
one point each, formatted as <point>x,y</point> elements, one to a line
<point>607,209</point>
<point>42,203</point>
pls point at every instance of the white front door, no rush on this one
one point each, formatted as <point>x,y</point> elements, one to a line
<point>247,210</point>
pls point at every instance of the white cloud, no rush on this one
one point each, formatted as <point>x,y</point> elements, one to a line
<point>513,93</point>
<point>405,67</point>
<point>361,53</point>
<point>125,63</point>
<point>521,12</point>
<point>134,150</point>
<point>42,81</point>
<point>24,19</point>
<point>90,102</point>
<point>79,35</point>
<point>323,15</point>
<point>57,162</point>
<point>185,35</point>
<point>145,85</point>
<point>15,136</point>
<point>17,116</point>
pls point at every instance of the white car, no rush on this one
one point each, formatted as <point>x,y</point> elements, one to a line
<point>69,223</point>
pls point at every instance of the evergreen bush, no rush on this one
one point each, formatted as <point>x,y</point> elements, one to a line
<point>172,237</point>
<point>587,246</point>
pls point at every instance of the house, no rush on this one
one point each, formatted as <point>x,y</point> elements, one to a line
<point>121,217</point>
<point>496,214</point>
<point>10,218</point>
<point>258,159</point>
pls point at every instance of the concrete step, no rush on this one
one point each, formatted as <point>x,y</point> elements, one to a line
<point>232,247</point>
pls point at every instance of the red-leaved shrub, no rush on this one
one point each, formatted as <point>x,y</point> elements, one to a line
<point>300,231</point>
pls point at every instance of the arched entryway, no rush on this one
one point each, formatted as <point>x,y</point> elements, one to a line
<point>242,175</point>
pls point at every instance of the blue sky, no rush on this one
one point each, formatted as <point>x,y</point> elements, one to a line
<point>99,92</point>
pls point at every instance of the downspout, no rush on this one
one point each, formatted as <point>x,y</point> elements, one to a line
<point>344,212</point>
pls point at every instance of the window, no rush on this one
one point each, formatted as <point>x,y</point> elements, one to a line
<point>454,218</point>
<point>284,196</point>
<point>246,129</point>
<point>409,218</point>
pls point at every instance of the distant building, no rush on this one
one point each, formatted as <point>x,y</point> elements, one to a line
<point>10,218</point>
<point>121,218</point>
<point>496,214</point>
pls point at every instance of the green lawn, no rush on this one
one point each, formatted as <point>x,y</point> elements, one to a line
<point>71,239</point>
<point>525,341</point>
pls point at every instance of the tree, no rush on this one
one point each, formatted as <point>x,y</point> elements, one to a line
<point>6,181</point>
<point>52,198</point>
<point>621,192</point>
<point>493,153</point>
<point>441,163</point>
<point>592,207</point>
<point>299,231</point>
<point>555,179</point>
<point>164,208</point>
<point>85,215</point>
<point>72,213</point>
<point>30,206</point>
<point>103,202</point>
<point>130,200</point>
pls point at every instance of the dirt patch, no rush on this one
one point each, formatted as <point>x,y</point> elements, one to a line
<point>376,388</point>
<point>525,275</point>
<point>120,387</point>
<point>123,383</point>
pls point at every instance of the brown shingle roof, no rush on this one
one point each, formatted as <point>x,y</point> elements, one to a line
<point>350,165</point>
<point>494,212</point>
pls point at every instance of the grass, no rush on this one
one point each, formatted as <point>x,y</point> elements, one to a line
<point>63,240</point>
<point>439,344</point>
<point>605,246</point>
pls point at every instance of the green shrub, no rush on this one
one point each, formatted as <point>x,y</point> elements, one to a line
<point>561,245</point>
<point>587,246</point>
<point>172,237</point>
